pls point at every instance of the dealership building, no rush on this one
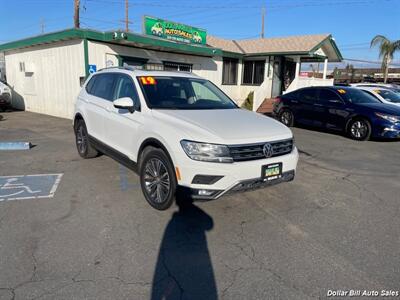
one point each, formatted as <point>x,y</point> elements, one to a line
<point>46,72</point>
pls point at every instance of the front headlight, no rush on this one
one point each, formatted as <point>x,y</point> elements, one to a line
<point>390,118</point>
<point>207,152</point>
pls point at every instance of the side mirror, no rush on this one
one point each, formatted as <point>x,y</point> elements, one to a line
<point>124,103</point>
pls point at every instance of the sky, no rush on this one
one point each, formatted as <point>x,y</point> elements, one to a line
<point>353,23</point>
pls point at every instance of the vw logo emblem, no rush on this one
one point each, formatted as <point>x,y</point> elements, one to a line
<point>268,150</point>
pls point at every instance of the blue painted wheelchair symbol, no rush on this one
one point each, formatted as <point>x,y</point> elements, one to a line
<point>28,186</point>
<point>92,69</point>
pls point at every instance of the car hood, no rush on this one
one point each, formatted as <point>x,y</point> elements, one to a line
<point>383,108</point>
<point>227,126</point>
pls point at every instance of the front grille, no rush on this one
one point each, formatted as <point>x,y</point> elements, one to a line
<point>255,151</point>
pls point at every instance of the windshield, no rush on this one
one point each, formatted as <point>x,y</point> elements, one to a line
<point>389,95</point>
<point>164,92</point>
<point>358,96</point>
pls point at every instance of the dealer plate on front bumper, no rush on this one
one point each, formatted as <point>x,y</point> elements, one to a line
<point>271,172</point>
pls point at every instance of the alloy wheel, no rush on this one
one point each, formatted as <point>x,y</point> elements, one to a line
<point>81,139</point>
<point>157,181</point>
<point>359,129</point>
<point>286,118</point>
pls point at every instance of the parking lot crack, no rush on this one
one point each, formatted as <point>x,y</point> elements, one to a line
<point>11,290</point>
<point>362,188</point>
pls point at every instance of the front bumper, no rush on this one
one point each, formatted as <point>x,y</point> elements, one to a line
<point>243,186</point>
<point>234,177</point>
<point>385,129</point>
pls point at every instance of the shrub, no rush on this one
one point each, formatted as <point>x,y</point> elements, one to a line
<point>248,103</point>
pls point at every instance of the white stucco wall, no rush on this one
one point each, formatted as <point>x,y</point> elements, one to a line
<point>50,82</point>
<point>207,67</point>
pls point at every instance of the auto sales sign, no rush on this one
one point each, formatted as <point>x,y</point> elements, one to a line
<point>173,31</point>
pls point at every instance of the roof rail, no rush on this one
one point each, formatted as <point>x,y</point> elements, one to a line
<point>130,68</point>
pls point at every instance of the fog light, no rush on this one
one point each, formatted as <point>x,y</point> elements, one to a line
<point>205,192</point>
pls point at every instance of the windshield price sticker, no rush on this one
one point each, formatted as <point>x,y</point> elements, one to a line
<point>148,80</point>
<point>342,91</point>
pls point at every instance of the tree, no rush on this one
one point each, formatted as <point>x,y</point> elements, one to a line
<point>387,48</point>
<point>350,73</point>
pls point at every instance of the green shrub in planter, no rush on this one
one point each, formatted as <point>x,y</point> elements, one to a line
<point>248,103</point>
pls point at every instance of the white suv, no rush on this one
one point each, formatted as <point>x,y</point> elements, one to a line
<point>180,132</point>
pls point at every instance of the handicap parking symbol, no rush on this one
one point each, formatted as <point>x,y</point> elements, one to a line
<point>22,187</point>
<point>92,69</point>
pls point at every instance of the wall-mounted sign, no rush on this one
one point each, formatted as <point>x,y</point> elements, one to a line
<point>173,31</point>
<point>92,69</point>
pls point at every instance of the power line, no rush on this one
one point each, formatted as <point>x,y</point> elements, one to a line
<point>368,61</point>
<point>306,4</point>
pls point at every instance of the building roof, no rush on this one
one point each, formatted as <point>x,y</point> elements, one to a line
<point>307,45</point>
<point>301,44</point>
<point>130,39</point>
<point>226,45</point>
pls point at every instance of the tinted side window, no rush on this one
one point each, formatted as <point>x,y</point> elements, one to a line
<point>124,87</point>
<point>325,96</point>
<point>103,86</point>
<point>308,95</point>
<point>89,86</point>
<point>291,95</point>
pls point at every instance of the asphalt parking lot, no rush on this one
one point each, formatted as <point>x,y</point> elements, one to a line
<point>336,227</point>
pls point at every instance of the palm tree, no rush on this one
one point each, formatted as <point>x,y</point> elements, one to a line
<point>387,48</point>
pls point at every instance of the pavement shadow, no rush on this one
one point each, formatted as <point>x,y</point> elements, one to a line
<point>184,269</point>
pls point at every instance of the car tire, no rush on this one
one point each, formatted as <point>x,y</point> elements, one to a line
<point>286,117</point>
<point>83,145</point>
<point>359,129</point>
<point>157,178</point>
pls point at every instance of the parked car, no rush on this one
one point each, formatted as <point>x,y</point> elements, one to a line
<point>180,131</point>
<point>157,29</point>
<point>346,109</point>
<point>382,94</point>
<point>391,86</point>
<point>197,38</point>
<point>5,96</point>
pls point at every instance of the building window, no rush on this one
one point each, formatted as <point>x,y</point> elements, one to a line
<point>172,66</point>
<point>253,72</point>
<point>229,71</point>
<point>154,67</point>
<point>134,62</point>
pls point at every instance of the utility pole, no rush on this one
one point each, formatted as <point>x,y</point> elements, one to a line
<point>126,16</point>
<point>42,25</point>
<point>262,21</point>
<point>76,13</point>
